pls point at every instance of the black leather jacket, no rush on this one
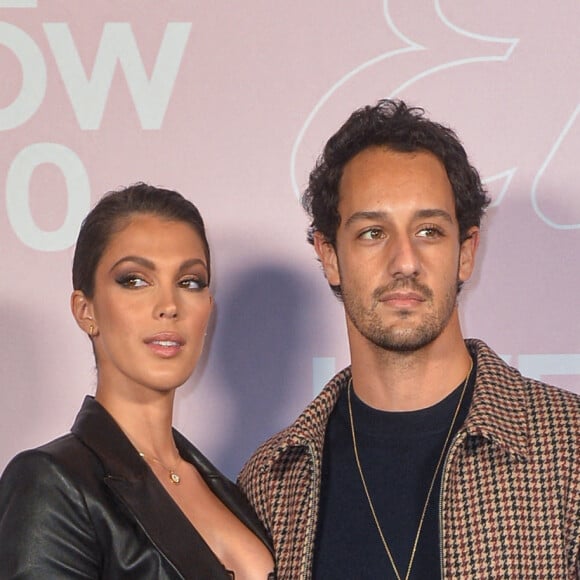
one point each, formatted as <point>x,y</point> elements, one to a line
<point>87,506</point>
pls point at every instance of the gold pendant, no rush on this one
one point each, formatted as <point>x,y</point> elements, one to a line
<point>174,477</point>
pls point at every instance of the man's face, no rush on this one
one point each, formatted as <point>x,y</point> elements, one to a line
<point>398,258</point>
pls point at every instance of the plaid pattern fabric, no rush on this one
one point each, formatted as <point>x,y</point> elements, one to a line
<point>510,495</point>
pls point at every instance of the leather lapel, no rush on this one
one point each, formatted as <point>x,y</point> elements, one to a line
<point>167,527</point>
<point>128,477</point>
<point>223,488</point>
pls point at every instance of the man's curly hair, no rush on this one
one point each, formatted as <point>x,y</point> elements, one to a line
<point>396,126</point>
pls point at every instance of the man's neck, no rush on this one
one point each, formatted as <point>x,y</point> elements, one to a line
<point>408,381</point>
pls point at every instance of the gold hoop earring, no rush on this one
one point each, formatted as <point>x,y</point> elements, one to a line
<point>91,330</point>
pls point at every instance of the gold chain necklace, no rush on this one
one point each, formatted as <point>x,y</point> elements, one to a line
<point>173,476</point>
<point>368,495</point>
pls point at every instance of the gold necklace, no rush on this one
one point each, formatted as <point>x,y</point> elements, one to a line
<point>173,476</point>
<point>368,495</point>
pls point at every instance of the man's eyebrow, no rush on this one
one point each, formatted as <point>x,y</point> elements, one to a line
<point>433,213</point>
<point>383,215</point>
<point>366,215</point>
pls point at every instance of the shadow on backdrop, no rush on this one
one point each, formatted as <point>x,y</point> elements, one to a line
<point>24,398</point>
<point>264,355</point>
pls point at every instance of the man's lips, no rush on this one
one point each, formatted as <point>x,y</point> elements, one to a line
<point>402,297</point>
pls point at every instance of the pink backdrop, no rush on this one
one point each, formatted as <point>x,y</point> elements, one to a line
<point>230,103</point>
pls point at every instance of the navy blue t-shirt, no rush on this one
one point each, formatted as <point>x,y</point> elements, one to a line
<point>398,452</point>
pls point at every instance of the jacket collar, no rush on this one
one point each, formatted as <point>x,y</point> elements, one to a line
<point>137,488</point>
<point>497,412</point>
<point>310,427</point>
<point>499,408</point>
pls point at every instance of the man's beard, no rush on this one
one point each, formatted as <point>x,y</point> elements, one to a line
<point>395,336</point>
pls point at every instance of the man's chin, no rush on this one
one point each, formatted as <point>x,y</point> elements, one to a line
<point>404,341</point>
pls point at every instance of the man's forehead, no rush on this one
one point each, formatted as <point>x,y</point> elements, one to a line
<point>383,180</point>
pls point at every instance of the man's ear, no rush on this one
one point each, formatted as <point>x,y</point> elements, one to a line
<point>467,254</point>
<point>327,255</point>
<point>83,312</point>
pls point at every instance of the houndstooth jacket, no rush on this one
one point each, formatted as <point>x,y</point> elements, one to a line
<point>510,491</point>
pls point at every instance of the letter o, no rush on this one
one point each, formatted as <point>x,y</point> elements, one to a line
<point>18,195</point>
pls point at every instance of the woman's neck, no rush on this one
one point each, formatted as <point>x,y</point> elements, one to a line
<point>146,421</point>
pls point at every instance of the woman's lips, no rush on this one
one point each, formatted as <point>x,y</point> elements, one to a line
<point>165,344</point>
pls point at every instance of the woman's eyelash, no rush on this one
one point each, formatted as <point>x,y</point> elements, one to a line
<point>138,281</point>
<point>130,280</point>
<point>200,283</point>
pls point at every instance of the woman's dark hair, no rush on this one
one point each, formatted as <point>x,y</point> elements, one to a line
<point>395,126</point>
<point>111,215</point>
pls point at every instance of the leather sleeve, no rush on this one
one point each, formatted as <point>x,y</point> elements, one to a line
<point>45,528</point>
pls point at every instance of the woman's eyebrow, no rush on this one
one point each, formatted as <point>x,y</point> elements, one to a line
<point>137,259</point>
<point>151,265</point>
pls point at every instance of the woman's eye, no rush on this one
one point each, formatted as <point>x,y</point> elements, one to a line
<point>193,284</point>
<point>372,234</point>
<point>131,281</point>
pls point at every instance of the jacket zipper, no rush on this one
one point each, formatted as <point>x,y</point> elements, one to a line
<point>459,436</point>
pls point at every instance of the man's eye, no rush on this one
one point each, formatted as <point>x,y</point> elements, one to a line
<point>430,232</point>
<point>372,234</point>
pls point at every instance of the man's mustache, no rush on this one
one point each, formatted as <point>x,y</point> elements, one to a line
<point>405,284</point>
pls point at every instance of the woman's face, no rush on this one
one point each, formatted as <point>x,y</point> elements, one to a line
<point>150,307</point>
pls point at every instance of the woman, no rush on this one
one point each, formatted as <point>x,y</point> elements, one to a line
<point>123,495</point>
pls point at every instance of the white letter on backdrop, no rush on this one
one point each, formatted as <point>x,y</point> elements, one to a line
<point>18,195</point>
<point>88,97</point>
<point>538,366</point>
<point>33,77</point>
<point>18,3</point>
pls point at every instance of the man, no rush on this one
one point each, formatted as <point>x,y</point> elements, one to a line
<point>428,457</point>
